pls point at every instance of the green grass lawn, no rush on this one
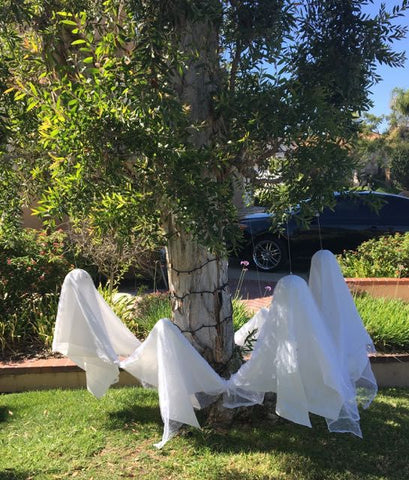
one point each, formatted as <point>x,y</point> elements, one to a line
<point>69,434</point>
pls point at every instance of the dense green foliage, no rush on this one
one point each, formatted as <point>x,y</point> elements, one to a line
<point>379,257</point>
<point>33,267</point>
<point>63,434</point>
<point>386,154</point>
<point>93,117</point>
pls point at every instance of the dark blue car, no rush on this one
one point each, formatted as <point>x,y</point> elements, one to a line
<point>352,221</point>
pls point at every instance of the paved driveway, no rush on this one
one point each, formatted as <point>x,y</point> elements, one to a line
<point>255,282</point>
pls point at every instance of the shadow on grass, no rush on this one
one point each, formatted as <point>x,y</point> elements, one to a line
<point>12,474</point>
<point>134,414</point>
<point>4,414</point>
<point>141,406</point>
<point>300,452</point>
<point>317,454</point>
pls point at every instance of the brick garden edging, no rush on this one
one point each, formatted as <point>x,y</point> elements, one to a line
<point>389,370</point>
<point>381,287</point>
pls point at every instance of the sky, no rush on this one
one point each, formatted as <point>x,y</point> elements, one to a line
<point>391,77</point>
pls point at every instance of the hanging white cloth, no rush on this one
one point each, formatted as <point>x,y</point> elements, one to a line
<point>348,333</point>
<point>89,333</point>
<point>92,336</point>
<point>169,362</point>
<point>251,328</point>
<point>294,357</point>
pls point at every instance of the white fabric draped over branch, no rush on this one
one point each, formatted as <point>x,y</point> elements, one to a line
<point>311,350</point>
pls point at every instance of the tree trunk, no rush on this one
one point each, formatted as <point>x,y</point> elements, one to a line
<point>201,300</point>
<point>200,294</point>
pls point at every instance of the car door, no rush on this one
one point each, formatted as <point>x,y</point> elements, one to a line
<point>352,221</point>
<point>394,215</point>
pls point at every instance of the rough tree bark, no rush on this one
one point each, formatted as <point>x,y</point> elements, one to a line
<point>201,298</point>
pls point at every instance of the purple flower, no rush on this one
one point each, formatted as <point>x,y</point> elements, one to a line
<point>267,288</point>
<point>245,263</point>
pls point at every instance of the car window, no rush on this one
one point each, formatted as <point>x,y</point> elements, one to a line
<point>349,209</point>
<point>395,211</point>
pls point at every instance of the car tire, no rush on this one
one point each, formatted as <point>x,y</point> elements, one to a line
<point>269,253</point>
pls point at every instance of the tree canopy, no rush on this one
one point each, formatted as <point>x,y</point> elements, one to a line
<point>94,110</point>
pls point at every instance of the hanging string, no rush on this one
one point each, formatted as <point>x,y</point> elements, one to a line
<point>289,248</point>
<point>319,230</point>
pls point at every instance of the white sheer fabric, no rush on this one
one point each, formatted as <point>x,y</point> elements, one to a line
<point>351,340</point>
<point>253,325</point>
<point>168,361</point>
<point>294,357</point>
<point>304,353</point>
<point>89,333</point>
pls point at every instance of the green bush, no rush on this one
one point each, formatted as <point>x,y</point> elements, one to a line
<point>386,320</point>
<point>381,257</point>
<point>33,265</point>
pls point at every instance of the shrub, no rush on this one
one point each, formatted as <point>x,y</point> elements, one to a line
<point>240,314</point>
<point>33,265</point>
<point>381,257</point>
<point>114,257</point>
<point>124,307</point>
<point>149,309</point>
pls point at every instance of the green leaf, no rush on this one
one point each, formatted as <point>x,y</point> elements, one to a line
<point>33,89</point>
<point>88,60</point>
<point>19,95</point>
<point>32,104</point>
<point>78,42</point>
<point>69,22</point>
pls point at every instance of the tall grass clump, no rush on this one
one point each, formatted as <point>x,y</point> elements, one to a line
<point>386,320</point>
<point>241,315</point>
<point>151,307</point>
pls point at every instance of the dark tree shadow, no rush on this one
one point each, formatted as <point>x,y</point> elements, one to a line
<point>140,407</point>
<point>135,413</point>
<point>4,414</point>
<point>318,454</point>
<point>381,452</point>
<point>12,474</point>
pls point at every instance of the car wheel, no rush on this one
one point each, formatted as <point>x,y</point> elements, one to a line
<point>268,254</point>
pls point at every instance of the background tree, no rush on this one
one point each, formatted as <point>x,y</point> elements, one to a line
<point>398,138</point>
<point>370,152</point>
<point>138,116</point>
